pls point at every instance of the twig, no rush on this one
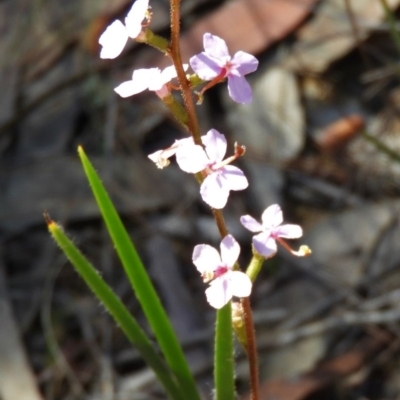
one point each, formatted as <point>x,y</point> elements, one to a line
<point>16,378</point>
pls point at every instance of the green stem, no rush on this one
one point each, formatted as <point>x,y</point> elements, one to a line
<point>177,110</point>
<point>223,358</point>
<point>255,266</point>
<point>158,42</point>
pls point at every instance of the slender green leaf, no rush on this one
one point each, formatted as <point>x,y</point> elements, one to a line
<point>118,311</point>
<point>142,285</point>
<point>224,371</point>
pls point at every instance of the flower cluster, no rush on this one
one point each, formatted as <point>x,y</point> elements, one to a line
<point>229,282</point>
<point>218,177</point>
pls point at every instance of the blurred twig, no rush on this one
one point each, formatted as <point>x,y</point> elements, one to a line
<point>16,378</point>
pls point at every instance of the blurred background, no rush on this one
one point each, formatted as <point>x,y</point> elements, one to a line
<point>323,141</point>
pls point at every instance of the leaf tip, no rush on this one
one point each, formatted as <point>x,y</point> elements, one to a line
<point>50,223</point>
<point>80,150</point>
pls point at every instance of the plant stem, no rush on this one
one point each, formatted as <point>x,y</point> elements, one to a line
<point>255,266</point>
<point>224,373</point>
<point>183,82</point>
<point>220,221</point>
<point>251,348</point>
<point>193,126</point>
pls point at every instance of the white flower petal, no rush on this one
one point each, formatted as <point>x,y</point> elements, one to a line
<point>141,79</point>
<point>234,177</point>
<point>265,244</point>
<point>156,82</point>
<point>113,40</point>
<point>230,250</point>
<point>272,217</point>
<point>213,192</point>
<point>289,231</point>
<point>129,88</point>
<point>136,15</point>
<point>206,258</point>
<point>219,292</point>
<point>215,145</point>
<point>191,158</point>
<point>170,73</point>
<point>250,223</point>
<point>240,283</point>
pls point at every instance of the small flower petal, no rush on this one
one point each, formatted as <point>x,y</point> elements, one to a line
<point>288,231</point>
<point>230,250</point>
<point>250,223</point>
<point>219,293</point>
<point>234,178</point>
<point>191,158</point>
<point>214,192</point>
<point>215,47</point>
<point>129,88</point>
<point>239,89</point>
<point>141,79</point>
<point>205,67</point>
<point>246,63</point>
<point>272,217</point>
<point>136,15</point>
<point>240,284</point>
<point>169,73</point>
<point>265,244</point>
<point>113,40</point>
<point>156,81</point>
<point>206,258</point>
<point>216,145</point>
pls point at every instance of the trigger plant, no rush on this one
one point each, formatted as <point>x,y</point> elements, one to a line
<point>206,156</point>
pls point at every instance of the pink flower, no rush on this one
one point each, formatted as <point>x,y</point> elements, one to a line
<point>220,178</point>
<point>271,231</point>
<point>114,38</point>
<point>148,78</point>
<point>225,281</point>
<point>160,157</point>
<point>215,63</point>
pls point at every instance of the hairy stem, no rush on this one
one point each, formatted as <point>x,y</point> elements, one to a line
<point>251,349</point>
<point>194,128</point>
<point>183,81</point>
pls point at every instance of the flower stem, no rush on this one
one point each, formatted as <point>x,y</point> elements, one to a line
<point>255,266</point>
<point>251,349</point>
<point>194,128</point>
<point>183,81</point>
<point>220,221</point>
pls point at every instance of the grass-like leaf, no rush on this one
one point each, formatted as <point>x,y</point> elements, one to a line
<point>142,285</point>
<point>118,311</point>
